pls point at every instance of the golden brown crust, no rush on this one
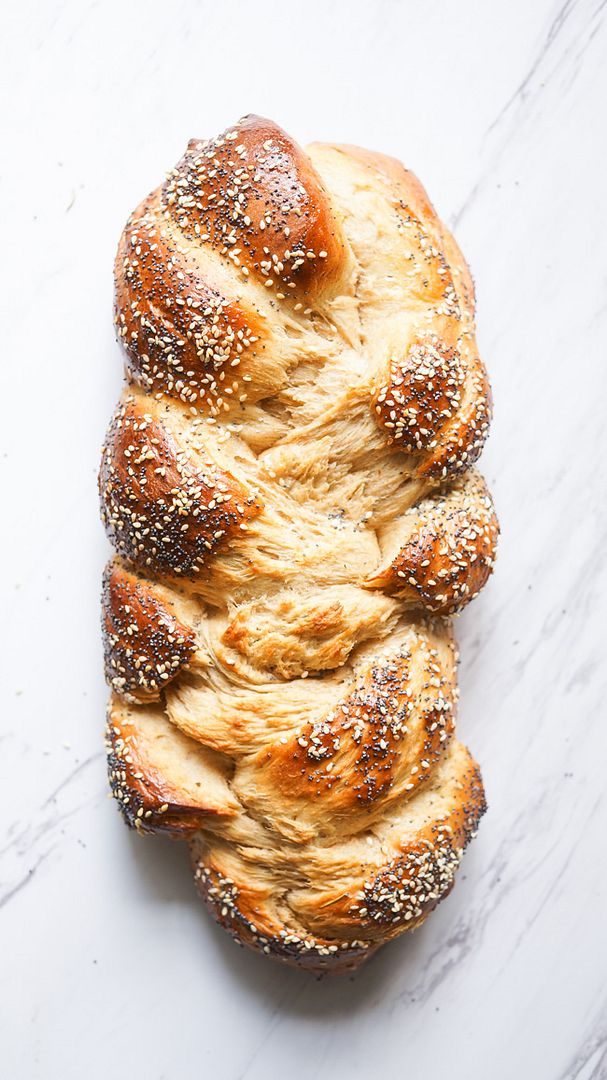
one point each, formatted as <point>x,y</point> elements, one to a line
<point>444,267</point>
<point>183,331</point>
<point>354,895</point>
<point>422,873</point>
<point>434,400</point>
<point>160,508</point>
<point>237,909</point>
<point>417,865</point>
<point>380,742</point>
<point>423,393</point>
<point>412,192</point>
<point>145,644</point>
<point>288,487</point>
<point>464,436</point>
<point>242,221</point>
<point>254,196</point>
<point>446,548</point>
<point>153,797</point>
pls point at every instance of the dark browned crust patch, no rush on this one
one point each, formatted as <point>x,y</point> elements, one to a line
<point>183,331</point>
<point>145,644</point>
<point>255,197</point>
<point>414,882</point>
<point>422,394</point>
<point>463,438</point>
<point>451,550</point>
<point>160,509</point>
<point>238,913</point>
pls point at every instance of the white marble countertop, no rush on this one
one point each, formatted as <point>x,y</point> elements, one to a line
<point>110,965</point>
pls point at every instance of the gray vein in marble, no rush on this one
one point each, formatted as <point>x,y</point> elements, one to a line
<point>40,832</point>
<point>551,881</point>
<point>520,94</point>
<point>530,87</point>
<point>72,775</point>
<point>590,1061</point>
<point>274,1018</point>
<point>25,880</point>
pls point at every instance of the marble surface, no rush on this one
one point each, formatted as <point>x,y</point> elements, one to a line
<point>110,966</point>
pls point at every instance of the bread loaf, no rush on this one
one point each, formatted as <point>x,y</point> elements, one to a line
<point>289,485</point>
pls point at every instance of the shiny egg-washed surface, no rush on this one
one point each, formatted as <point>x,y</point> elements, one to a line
<point>290,488</point>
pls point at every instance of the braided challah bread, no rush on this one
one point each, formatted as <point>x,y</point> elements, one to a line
<point>289,487</point>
